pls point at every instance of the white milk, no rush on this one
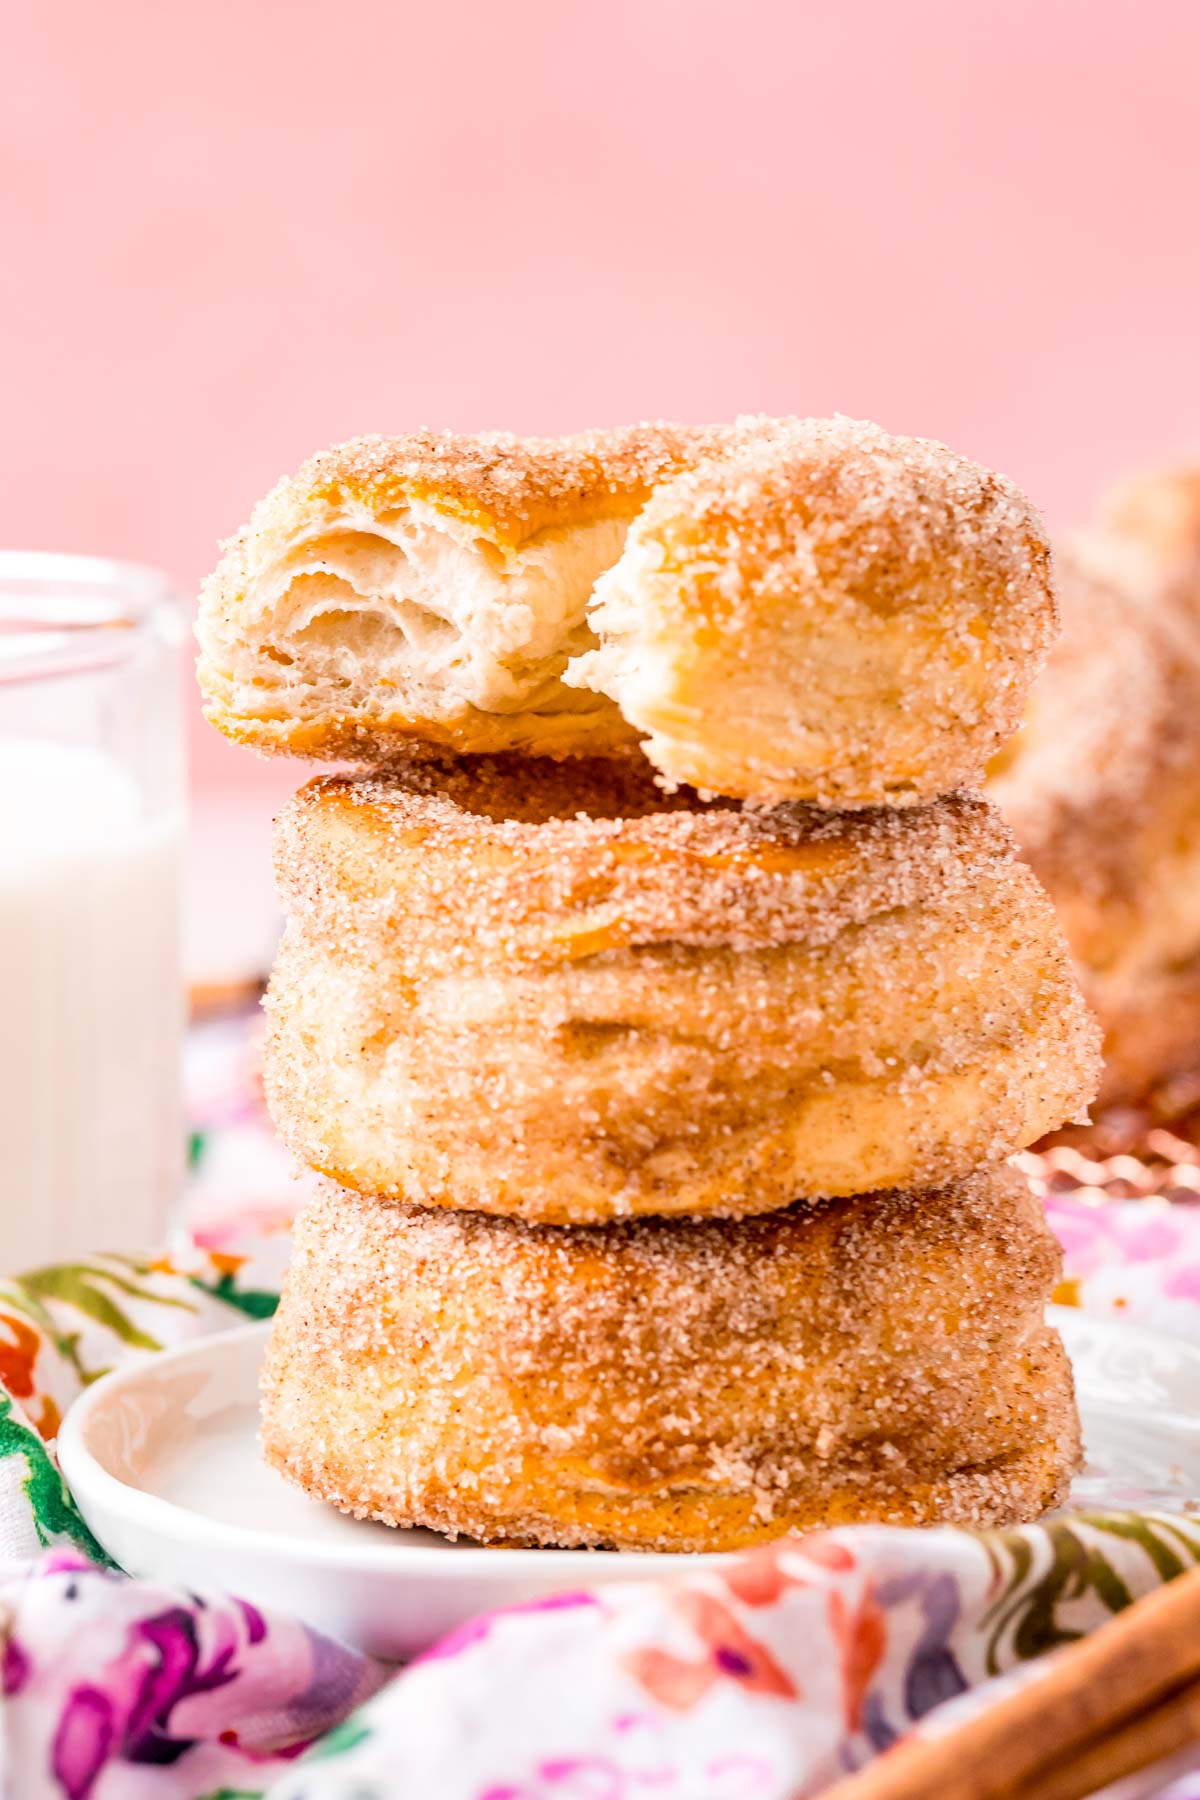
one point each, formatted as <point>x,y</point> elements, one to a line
<point>90,1008</point>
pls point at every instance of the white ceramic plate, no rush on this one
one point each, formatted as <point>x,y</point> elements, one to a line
<point>164,1463</point>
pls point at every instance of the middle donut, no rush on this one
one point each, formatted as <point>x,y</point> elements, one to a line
<point>551,991</point>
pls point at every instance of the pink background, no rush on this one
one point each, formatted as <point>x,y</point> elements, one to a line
<point>236,232</point>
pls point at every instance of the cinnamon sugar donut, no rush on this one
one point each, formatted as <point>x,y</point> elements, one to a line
<point>1103,787</point>
<point>547,990</point>
<point>805,609</point>
<point>429,587</point>
<point>675,1386</point>
<point>825,613</point>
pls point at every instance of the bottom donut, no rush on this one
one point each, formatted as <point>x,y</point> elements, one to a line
<point>674,1385</point>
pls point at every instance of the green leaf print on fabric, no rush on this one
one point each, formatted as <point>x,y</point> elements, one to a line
<point>81,1307</point>
<point>56,1518</point>
<point>1046,1571</point>
<point>79,1284</point>
<point>1168,1560</point>
<point>256,1303</point>
<point>49,1296</point>
<point>343,1738</point>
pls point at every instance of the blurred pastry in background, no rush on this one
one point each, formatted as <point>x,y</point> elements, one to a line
<point>1158,515</point>
<point>1102,786</point>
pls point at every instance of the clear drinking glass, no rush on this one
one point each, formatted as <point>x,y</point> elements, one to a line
<point>91,991</point>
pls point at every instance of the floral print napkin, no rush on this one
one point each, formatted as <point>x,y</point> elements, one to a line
<point>761,1679</point>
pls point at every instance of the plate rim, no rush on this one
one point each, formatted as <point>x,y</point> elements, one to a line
<point>82,1469</point>
<point>87,1476</point>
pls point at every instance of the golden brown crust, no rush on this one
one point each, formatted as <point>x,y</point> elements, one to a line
<point>528,860</point>
<point>325,628</point>
<point>315,557</point>
<point>675,1386</point>
<point>804,609</point>
<point>495,485</point>
<point>826,612</point>
<point>389,735</point>
<point>656,1007</point>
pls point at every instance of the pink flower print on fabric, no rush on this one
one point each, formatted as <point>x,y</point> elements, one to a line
<point>1133,1231</point>
<point>103,1673</point>
<point>730,1653</point>
<point>1183,1283</point>
<point>1089,1236</point>
<point>478,1630</point>
<point>737,1776</point>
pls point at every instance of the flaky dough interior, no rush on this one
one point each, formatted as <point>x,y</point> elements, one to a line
<point>776,609</point>
<point>410,614</point>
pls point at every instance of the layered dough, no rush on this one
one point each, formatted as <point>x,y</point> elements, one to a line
<point>548,991</point>
<point>428,587</point>
<point>1103,786</point>
<point>825,613</point>
<point>796,609</point>
<point>675,1386</point>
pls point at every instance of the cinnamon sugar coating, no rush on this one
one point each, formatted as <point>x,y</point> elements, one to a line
<point>675,1386</point>
<point>826,613</point>
<point>781,608</point>
<point>547,990</point>
<point>1103,786</point>
<point>429,587</point>
<point>507,489</point>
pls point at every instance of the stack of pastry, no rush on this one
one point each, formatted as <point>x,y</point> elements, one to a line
<point>658,1002</point>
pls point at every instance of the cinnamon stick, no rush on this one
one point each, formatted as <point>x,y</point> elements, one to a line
<point>1124,1669</point>
<point>1146,1739</point>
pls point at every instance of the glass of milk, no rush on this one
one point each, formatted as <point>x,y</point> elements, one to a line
<point>91,995</point>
